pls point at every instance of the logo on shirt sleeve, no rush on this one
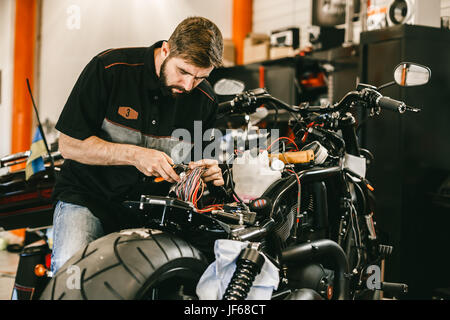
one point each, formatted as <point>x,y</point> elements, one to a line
<point>128,113</point>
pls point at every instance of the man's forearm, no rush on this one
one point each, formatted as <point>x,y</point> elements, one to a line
<point>96,151</point>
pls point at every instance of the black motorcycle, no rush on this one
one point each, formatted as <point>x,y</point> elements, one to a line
<point>315,223</point>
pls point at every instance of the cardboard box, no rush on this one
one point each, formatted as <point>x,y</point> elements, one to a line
<point>282,52</point>
<point>256,48</point>
<point>229,53</point>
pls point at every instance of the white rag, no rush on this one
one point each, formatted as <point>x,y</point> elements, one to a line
<point>217,276</point>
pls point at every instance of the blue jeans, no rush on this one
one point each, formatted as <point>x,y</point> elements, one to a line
<point>74,227</point>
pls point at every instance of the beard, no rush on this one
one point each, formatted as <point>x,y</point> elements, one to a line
<point>165,87</point>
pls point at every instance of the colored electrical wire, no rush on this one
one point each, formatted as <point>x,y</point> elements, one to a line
<point>312,124</point>
<point>210,208</point>
<point>286,138</point>
<point>191,188</point>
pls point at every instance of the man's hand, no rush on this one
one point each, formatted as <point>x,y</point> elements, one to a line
<point>96,151</point>
<point>213,172</point>
<point>155,163</point>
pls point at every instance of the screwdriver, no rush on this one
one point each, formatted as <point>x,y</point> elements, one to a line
<point>178,169</point>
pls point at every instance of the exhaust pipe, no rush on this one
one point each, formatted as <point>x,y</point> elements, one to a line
<point>316,251</point>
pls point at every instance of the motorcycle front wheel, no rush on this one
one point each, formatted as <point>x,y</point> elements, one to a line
<point>136,264</point>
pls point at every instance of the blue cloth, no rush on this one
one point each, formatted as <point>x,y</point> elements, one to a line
<point>215,279</point>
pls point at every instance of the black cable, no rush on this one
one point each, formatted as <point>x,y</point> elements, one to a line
<point>232,187</point>
<point>364,201</point>
<point>294,115</point>
<point>290,112</point>
<point>273,105</point>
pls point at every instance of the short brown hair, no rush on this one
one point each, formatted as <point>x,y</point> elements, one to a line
<point>198,41</point>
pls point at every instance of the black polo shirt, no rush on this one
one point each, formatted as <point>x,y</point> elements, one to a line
<point>118,97</point>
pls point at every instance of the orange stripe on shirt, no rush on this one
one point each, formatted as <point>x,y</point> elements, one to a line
<point>205,93</point>
<point>114,49</point>
<point>124,63</point>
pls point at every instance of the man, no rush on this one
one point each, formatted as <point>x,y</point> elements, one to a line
<point>116,130</point>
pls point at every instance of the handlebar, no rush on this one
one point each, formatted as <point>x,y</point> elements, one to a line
<point>391,104</point>
<point>394,105</point>
<point>243,102</point>
<point>226,107</point>
<point>248,101</point>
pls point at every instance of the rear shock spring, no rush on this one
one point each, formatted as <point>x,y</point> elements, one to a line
<point>311,203</point>
<point>248,266</point>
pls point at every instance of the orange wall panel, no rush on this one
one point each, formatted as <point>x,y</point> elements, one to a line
<point>24,56</point>
<point>242,25</point>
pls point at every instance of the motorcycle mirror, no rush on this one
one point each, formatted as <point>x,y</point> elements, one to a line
<point>409,74</point>
<point>228,87</point>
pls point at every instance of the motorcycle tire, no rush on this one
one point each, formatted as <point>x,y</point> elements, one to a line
<point>136,264</point>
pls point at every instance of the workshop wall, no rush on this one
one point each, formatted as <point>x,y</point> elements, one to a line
<point>73,31</point>
<point>445,8</point>
<point>6,69</point>
<point>272,15</point>
<point>269,15</point>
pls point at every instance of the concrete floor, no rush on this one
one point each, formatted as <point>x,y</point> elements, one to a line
<point>8,268</point>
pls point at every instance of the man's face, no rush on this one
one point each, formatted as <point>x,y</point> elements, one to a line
<point>180,77</point>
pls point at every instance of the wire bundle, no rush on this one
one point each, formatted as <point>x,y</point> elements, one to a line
<point>190,185</point>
